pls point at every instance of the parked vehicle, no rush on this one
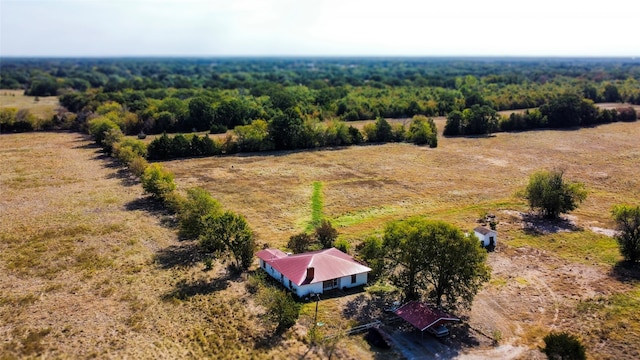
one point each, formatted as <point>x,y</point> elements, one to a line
<point>439,331</point>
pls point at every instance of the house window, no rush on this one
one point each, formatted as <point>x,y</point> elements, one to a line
<point>329,284</point>
<point>289,284</point>
<point>353,279</point>
<point>264,266</point>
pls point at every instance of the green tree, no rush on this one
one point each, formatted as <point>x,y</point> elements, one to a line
<point>253,137</point>
<point>628,225</point>
<point>196,206</point>
<point>373,253</point>
<point>454,123</point>
<point>157,181</point>
<point>112,137</point>
<point>326,234</point>
<point>423,131</point>
<point>436,256</point>
<point>563,346</point>
<point>99,127</point>
<point>300,243</point>
<point>548,193</point>
<point>229,232</point>
<point>286,130</point>
<point>384,131</point>
<point>282,309</point>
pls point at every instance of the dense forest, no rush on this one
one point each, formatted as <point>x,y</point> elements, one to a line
<point>282,103</point>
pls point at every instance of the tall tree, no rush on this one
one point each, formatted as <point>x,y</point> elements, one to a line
<point>628,221</point>
<point>229,232</point>
<point>197,205</point>
<point>326,234</point>
<point>548,193</point>
<point>435,258</point>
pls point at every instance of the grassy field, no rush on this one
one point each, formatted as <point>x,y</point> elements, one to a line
<point>43,108</point>
<point>93,268</point>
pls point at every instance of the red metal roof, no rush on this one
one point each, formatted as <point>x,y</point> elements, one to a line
<point>328,264</point>
<point>423,316</point>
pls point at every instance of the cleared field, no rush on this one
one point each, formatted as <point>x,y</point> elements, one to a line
<point>92,268</point>
<point>43,108</point>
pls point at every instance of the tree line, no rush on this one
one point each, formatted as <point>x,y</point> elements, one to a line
<point>564,111</point>
<point>179,95</point>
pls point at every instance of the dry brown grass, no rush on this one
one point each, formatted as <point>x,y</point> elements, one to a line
<point>44,108</point>
<point>365,186</point>
<point>91,268</point>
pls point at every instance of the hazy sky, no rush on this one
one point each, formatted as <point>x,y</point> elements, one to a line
<point>318,27</point>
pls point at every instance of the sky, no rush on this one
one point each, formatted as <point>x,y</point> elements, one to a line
<point>71,28</point>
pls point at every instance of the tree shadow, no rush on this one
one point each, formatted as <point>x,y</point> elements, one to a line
<point>124,176</point>
<point>268,341</point>
<point>155,207</point>
<point>366,309</point>
<point>626,272</point>
<point>179,256</point>
<point>185,289</point>
<point>536,225</point>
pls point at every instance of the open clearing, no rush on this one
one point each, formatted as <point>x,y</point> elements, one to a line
<point>43,108</point>
<point>92,268</point>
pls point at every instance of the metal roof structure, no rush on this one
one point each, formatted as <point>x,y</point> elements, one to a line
<point>326,265</point>
<point>483,230</point>
<point>423,316</point>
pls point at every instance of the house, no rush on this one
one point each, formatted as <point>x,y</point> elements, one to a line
<point>313,272</point>
<point>488,238</point>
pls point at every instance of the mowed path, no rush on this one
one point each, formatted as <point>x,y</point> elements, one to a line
<point>365,186</point>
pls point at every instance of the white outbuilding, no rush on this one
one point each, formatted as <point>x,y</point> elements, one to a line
<point>488,238</point>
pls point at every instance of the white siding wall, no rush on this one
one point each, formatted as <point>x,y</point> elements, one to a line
<point>485,238</point>
<point>316,288</point>
<point>482,239</point>
<point>361,279</point>
<point>305,290</point>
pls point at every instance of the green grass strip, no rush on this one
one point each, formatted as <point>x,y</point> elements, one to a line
<point>317,203</point>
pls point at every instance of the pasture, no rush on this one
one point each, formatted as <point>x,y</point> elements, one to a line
<point>93,268</point>
<point>43,108</point>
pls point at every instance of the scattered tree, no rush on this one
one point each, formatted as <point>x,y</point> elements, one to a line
<point>282,309</point>
<point>551,195</point>
<point>300,243</point>
<point>229,232</point>
<point>373,253</point>
<point>196,206</point>
<point>157,181</point>
<point>563,346</point>
<point>436,256</point>
<point>628,221</point>
<point>326,234</point>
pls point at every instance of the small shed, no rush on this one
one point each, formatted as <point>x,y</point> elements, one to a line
<point>488,238</point>
<point>424,316</point>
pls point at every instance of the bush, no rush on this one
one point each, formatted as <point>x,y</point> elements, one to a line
<point>563,346</point>
<point>628,225</point>
<point>157,182</point>
<point>282,309</point>
<point>326,234</point>
<point>551,195</point>
<point>138,165</point>
<point>197,204</point>
<point>342,245</point>
<point>300,243</point>
<point>129,149</point>
<point>99,127</point>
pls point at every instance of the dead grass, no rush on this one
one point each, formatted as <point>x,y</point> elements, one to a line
<point>94,269</point>
<point>43,108</point>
